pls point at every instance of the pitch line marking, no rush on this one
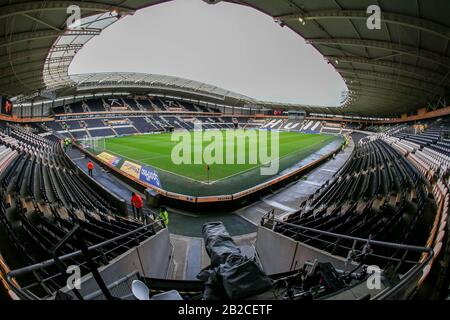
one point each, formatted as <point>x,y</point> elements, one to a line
<point>213,181</point>
<point>139,162</point>
<point>262,164</point>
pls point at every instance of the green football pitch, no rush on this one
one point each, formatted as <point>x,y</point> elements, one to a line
<point>155,150</point>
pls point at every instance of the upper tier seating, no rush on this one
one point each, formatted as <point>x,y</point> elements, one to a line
<point>94,123</point>
<point>142,125</point>
<point>428,150</point>
<point>95,105</point>
<point>131,103</point>
<point>105,132</point>
<point>146,104</point>
<point>59,110</point>
<point>73,124</point>
<point>54,125</point>
<point>76,107</point>
<point>125,130</point>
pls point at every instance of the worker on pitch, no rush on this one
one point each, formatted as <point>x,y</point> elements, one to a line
<point>136,205</point>
<point>164,215</point>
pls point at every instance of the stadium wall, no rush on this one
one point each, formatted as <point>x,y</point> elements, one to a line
<point>279,253</point>
<point>150,259</point>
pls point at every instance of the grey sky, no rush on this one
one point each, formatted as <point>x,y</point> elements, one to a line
<point>227,45</point>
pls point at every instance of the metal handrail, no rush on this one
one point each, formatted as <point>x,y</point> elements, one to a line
<point>98,256</point>
<point>343,236</point>
<point>25,270</point>
<point>428,250</point>
<point>404,278</point>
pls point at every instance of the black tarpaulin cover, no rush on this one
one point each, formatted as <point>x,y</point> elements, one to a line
<point>230,275</point>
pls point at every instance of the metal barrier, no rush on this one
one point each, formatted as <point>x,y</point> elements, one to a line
<point>362,249</point>
<point>26,293</point>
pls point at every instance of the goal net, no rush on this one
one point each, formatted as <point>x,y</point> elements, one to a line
<point>93,144</point>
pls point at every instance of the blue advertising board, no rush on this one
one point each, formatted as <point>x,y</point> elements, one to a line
<point>150,176</point>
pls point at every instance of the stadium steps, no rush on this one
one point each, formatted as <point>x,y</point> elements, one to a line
<point>153,106</point>
<point>133,126</point>
<point>85,106</point>
<point>105,105</point>
<point>139,105</point>
<point>113,130</point>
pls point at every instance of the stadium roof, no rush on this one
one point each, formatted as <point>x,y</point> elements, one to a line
<point>399,68</point>
<point>102,81</point>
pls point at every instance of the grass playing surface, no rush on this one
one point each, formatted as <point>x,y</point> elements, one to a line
<point>155,150</point>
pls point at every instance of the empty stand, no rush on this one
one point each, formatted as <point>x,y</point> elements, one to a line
<point>44,198</point>
<point>377,194</point>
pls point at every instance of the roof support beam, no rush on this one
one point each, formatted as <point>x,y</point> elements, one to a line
<point>17,87</point>
<point>55,69</point>
<point>38,35</point>
<point>355,81</point>
<point>381,97</point>
<point>40,6</point>
<point>29,68</point>
<point>373,108</point>
<point>42,22</point>
<point>66,47</point>
<point>38,52</point>
<point>30,75</point>
<point>30,64</point>
<point>59,59</point>
<point>384,95</point>
<point>418,72</point>
<point>387,17</point>
<point>28,36</point>
<point>420,85</point>
<point>379,91</point>
<point>25,64</point>
<point>22,55</point>
<point>388,46</point>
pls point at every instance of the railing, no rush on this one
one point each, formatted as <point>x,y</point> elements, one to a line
<point>26,293</point>
<point>362,249</point>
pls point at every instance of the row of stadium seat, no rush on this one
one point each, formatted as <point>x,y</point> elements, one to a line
<point>377,194</point>
<point>151,104</point>
<point>47,167</point>
<point>43,198</point>
<point>429,153</point>
<point>98,127</point>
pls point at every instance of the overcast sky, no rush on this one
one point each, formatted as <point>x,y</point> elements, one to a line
<point>226,45</point>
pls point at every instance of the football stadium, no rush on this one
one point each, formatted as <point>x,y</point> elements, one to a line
<point>126,185</point>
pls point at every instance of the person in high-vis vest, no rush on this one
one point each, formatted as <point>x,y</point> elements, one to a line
<point>164,216</point>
